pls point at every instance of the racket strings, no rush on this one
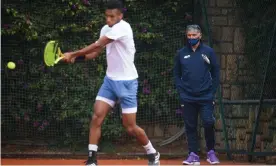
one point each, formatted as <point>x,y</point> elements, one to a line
<point>50,53</point>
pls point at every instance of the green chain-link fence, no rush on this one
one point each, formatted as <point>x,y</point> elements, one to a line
<point>49,109</point>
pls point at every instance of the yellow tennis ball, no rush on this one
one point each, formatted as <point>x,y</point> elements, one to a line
<point>11,65</point>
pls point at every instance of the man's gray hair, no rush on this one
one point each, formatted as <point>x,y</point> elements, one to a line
<point>193,28</point>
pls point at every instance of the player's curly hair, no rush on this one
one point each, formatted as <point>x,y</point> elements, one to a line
<point>114,4</point>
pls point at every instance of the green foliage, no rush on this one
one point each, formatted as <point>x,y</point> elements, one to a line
<point>58,102</point>
<point>258,19</point>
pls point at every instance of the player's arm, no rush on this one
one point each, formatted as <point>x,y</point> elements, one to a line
<point>114,34</point>
<point>94,54</point>
<point>98,45</point>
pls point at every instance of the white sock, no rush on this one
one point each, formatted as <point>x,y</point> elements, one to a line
<point>149,148</point>
<point>93,147</point>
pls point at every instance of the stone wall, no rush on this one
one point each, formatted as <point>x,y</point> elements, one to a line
<point>229,43</point>
<point>240,121</point>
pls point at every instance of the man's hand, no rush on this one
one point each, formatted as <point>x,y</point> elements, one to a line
<point>68,57</point>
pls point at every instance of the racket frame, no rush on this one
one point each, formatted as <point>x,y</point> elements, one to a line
<point>57,53</point>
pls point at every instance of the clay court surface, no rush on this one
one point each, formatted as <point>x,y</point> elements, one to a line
<point>100,162</point>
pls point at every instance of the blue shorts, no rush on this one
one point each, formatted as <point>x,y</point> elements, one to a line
<point>124,91</point>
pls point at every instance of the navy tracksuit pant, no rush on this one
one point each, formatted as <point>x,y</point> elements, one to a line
<point>191,111</point>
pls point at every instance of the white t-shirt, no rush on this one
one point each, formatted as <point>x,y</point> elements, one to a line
<point>120,52</point>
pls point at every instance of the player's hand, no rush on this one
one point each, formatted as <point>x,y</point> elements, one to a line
<point>68,57</point>
<point>73,59</point>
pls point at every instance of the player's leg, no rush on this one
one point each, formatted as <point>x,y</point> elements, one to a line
<point>101,109</point>
<point>129,122</point>
<point>208,119</point>
<point>105,100</point>
<point>190,115</point>
<point>128,97</point>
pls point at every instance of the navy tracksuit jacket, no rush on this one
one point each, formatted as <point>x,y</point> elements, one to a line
<point>195,79</point>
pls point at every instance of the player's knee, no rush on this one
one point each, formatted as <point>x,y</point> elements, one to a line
<point>130,130</point>
<point>100,111</point>
<point>97,118</point>
<point>134,130</point>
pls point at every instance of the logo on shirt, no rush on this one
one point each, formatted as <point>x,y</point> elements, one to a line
<point>206,59</point>
<point>187,56</point>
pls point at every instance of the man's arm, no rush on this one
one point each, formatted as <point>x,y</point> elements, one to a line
<point>94,54</point>
<point>116,33</point>
<point>177,72</point>
<point>87,57</point>
<point>215,71</point>
<point>98,45</point>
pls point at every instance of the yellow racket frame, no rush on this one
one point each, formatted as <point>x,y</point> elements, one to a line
<point>52,53</point>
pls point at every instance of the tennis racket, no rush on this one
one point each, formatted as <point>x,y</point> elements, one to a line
<point>52,53</point>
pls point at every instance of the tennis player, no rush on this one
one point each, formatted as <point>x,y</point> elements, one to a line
<point>196,76</point>
<point>120,81</point>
